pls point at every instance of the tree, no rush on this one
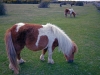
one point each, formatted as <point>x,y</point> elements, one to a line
<point>44,4</point>
<point>2,8</point>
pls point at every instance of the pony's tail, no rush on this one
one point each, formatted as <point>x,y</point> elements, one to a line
<point>11,52</point>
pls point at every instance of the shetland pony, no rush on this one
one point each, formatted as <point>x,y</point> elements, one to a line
<point>69,11</point>
<point>37,37</point>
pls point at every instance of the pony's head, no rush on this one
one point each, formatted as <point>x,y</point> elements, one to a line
<point>74,14</point>
<point>70,57</point>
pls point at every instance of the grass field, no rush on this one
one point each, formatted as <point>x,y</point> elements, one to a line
<point>84,30</point>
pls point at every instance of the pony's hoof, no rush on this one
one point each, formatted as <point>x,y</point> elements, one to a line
<point>10,67</point>
<point>42,58</point>
<point>50,61</point>
<point>21,61</point>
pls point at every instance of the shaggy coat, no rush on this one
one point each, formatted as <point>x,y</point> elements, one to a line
<point>37,37</point>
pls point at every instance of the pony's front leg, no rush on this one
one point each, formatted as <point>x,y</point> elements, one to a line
<point>42,55</point>
<point>50,60</point>
<point>70,15</point>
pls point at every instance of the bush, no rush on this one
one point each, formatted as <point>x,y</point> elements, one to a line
<point>79,3</point>
<point>62,3</point>
<point>44,4</point>
<point>2,9</point>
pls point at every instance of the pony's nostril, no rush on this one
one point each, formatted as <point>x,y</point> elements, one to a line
<point>70,61</point>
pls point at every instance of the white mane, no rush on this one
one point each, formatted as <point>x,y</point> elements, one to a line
<point>65,43</point>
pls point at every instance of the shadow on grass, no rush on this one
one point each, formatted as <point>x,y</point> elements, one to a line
<point>42,67</point>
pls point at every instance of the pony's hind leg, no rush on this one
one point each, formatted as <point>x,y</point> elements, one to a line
<point>65,14</point>
<point>42,55</point>
<point>19,59</point>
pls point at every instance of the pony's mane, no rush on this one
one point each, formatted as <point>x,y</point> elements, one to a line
<point>65,43</point>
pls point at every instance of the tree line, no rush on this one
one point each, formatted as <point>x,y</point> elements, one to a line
<point>22,1</point>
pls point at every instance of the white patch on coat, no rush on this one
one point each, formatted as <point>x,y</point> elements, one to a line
<point>46,30</point>
<point>19,25</point>
<point>71,10</point>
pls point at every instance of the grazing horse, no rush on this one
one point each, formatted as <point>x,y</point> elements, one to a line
<point>69,11</point>
<point>37,37</point>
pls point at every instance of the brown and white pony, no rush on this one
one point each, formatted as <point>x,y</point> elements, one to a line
<point>37,37</point>
<point>69,11</point>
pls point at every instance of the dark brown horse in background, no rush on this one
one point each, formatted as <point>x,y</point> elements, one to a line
<point>37,37</point>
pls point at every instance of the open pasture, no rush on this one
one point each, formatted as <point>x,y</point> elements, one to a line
<point>84,30</point>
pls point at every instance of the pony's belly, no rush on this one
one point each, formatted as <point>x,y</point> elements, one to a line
<point>68,12</point>
<point>42,44</point>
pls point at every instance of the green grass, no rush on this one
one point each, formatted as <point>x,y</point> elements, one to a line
<point>84,30</point>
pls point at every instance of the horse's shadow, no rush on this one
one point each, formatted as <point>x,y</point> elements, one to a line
<point>28,67</point>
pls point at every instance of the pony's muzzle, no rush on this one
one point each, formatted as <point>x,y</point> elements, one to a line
<point>70,61</point>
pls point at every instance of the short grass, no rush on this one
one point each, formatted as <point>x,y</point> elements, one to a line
<point>84,30</point>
